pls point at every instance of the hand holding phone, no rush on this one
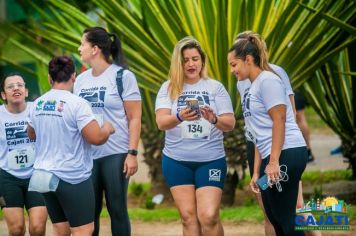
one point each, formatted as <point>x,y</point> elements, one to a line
<point>193,105</point>
<point>263,182</point>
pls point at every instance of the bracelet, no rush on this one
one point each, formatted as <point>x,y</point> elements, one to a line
<point>216,121</point>
<point>177,115</point>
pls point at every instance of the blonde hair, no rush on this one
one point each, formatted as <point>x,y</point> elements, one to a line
<point>176,73</point>
<point>251,43</point>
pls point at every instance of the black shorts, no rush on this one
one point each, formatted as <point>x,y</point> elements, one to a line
<point>71,202</point>
<point>14,192</point>
<point>300,101</point>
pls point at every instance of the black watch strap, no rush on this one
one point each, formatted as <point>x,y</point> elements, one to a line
<point>133,152</point>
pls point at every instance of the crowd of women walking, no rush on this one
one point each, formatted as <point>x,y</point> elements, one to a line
<point>77,143</point>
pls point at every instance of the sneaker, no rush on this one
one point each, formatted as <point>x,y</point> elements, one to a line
<point>336,151</point>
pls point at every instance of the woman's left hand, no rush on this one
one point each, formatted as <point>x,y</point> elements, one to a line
<point>272,171</point>
<point>130,165</point>
<point>209,114</point>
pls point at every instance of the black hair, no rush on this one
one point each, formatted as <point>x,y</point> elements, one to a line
<point>109,43</point>
<point>251,44</point>
<point>3,79</point>
<point>61,68</point>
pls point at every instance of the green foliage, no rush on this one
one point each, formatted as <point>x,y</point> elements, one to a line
<point>250,201</point>
<point>332,93</point>
<point>245,213</point>
<point>137,189</point>
<point>315,123</point>
<point>318,193</point>
<point>149,204</point>
<point>321,177</point>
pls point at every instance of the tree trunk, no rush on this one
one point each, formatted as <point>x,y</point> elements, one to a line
<point>153,141</point>
<point>231,181</point>
<point>235,149</point>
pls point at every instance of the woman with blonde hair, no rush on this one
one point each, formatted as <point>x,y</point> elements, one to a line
<point>194,110</point>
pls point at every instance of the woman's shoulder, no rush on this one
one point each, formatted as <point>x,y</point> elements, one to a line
<point>212,82</point>
<point>268,75</point>
<point>165,83</point>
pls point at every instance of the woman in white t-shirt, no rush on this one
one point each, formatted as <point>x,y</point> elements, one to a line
<point>194,110</point>
<point>270,124</point>
<point>64,126</point>
<point>113,93</point>
<point>16,161</point>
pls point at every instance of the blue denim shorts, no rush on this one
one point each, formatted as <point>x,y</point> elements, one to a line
<point>199,174</point>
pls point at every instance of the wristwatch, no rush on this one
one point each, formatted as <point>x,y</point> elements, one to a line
<point>132,152</point>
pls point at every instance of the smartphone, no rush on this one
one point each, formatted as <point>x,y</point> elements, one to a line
<point>193,104</point>
<point>263,182</point>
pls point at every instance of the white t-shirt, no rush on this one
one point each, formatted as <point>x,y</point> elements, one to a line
<point>264,93</point>
<point>101,92</point>
<point>14,139</point>
<point>58,118</point>
<point>244,84</point>
<point>208,92</point>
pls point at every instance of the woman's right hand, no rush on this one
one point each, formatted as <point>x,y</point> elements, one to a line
<point>188,114</point>
<point>253,183</point>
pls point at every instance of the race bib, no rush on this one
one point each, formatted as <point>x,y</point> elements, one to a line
<point>250,134</point>
<point>21,158</point>
<point>198,129</point>
<point>100,119</point>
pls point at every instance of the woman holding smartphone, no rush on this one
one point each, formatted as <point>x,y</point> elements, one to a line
<point>193,162</point>
<point>271,125</point>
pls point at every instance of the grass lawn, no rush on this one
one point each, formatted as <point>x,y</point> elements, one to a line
<point>250,212</point>
<point>244,213</point>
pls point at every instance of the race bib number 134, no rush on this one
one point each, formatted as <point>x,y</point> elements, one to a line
<point>199,129</point>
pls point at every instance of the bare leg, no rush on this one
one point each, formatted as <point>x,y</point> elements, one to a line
<point>83,230</point>
<point>300,203</point>
<point>269,229</point>
<point>61,229</point>
<point>37,220</point>
<point>303,126</point>
<point>15,221</point>
<point>208,205</point>
<point>184,198</point>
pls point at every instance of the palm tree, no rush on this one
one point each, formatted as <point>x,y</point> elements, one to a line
<point>301,36</point>
<point>332,93</point>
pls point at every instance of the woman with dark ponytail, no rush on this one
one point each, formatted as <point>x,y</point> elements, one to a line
<point>271,126</point>
<point>113,93</point>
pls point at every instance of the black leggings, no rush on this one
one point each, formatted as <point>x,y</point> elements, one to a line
<point>108,177</point>
<point>250,156</point>
<point>280,206</point>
